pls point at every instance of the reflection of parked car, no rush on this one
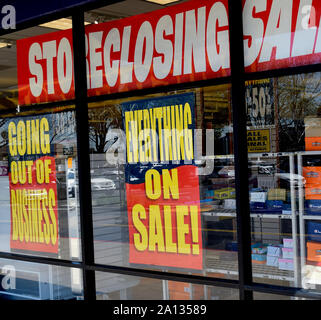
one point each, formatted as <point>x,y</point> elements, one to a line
<point>100,183</point>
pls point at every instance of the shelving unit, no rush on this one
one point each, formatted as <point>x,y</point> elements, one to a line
<point>259,271</point>
<point>230,266</point>
<point>304,217</point>
<point>304,275</point>
<point>232,213</point>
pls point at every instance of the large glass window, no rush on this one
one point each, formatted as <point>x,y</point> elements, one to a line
<point>39,208</point>
<point>15,56</point>
<point>122,287</point>
<point>284,153</point>
<point>161,210</point>
<point>38,174</point>
<point>22,280</point>
<point>162,170</point>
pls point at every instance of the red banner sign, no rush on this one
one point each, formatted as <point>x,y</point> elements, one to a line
<point>182,43</point>
<point>162,183</point>
<point>45,68</point>
<point>33,188</point>
<point>281,33</point>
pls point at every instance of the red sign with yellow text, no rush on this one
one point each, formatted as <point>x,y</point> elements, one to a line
<point>162,183</point>
<point>32,182</point>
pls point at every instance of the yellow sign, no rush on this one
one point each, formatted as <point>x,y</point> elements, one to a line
<point>258,140</point>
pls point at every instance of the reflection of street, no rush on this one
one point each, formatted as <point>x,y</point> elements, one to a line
<point>97,183</point>
<point>4,214</point>
<point>73,221</point>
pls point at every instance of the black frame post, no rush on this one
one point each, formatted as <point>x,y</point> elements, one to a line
<point>240,148</point>
<point>86,221</point>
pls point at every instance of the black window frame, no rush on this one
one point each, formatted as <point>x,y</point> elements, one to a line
<point>237,79</point>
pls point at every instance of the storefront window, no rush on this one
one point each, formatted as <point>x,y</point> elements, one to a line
<point>284,158</point>
<point>161,151</point>
<point>123,287</point>
<point>39,177</point>
<point>187,222</point>
<point>31,281</point>
<point>38,174</point>
<point>14,74</point>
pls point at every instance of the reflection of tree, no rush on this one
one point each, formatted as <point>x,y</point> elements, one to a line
<point>298,97</point>
<point>100,121</point>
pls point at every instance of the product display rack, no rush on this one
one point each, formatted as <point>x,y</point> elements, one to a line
<point>261,271</point>
<point>231,267</point>
<point>298,219</point>
<point>304,217</point>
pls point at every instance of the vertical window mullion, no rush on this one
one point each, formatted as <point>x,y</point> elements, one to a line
<point>86,222</point>
<point>240,148</point>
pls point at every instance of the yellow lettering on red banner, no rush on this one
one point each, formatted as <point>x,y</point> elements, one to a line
<point>53,226</point>
<point>31,137</point>
<point>182,229</point>
<point>170,245</point>
<point>47,170</point>
<point>153,184</point>
<point>164,224</point>
<point>46,226</point>
<point>170,184</point>
<point>14,220</point>
<point>151,233</point>
<point>141,238</point>
<point>40,172</point>
<point>33,198</point>
<point>156,236</point>
<point>30,219</point>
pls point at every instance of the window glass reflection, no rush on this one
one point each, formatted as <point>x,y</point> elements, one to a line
<point>122,287</point>
<point>38,203</point>
<point>162,174</point>
<point>20,280</point>
<point>284,160</point>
